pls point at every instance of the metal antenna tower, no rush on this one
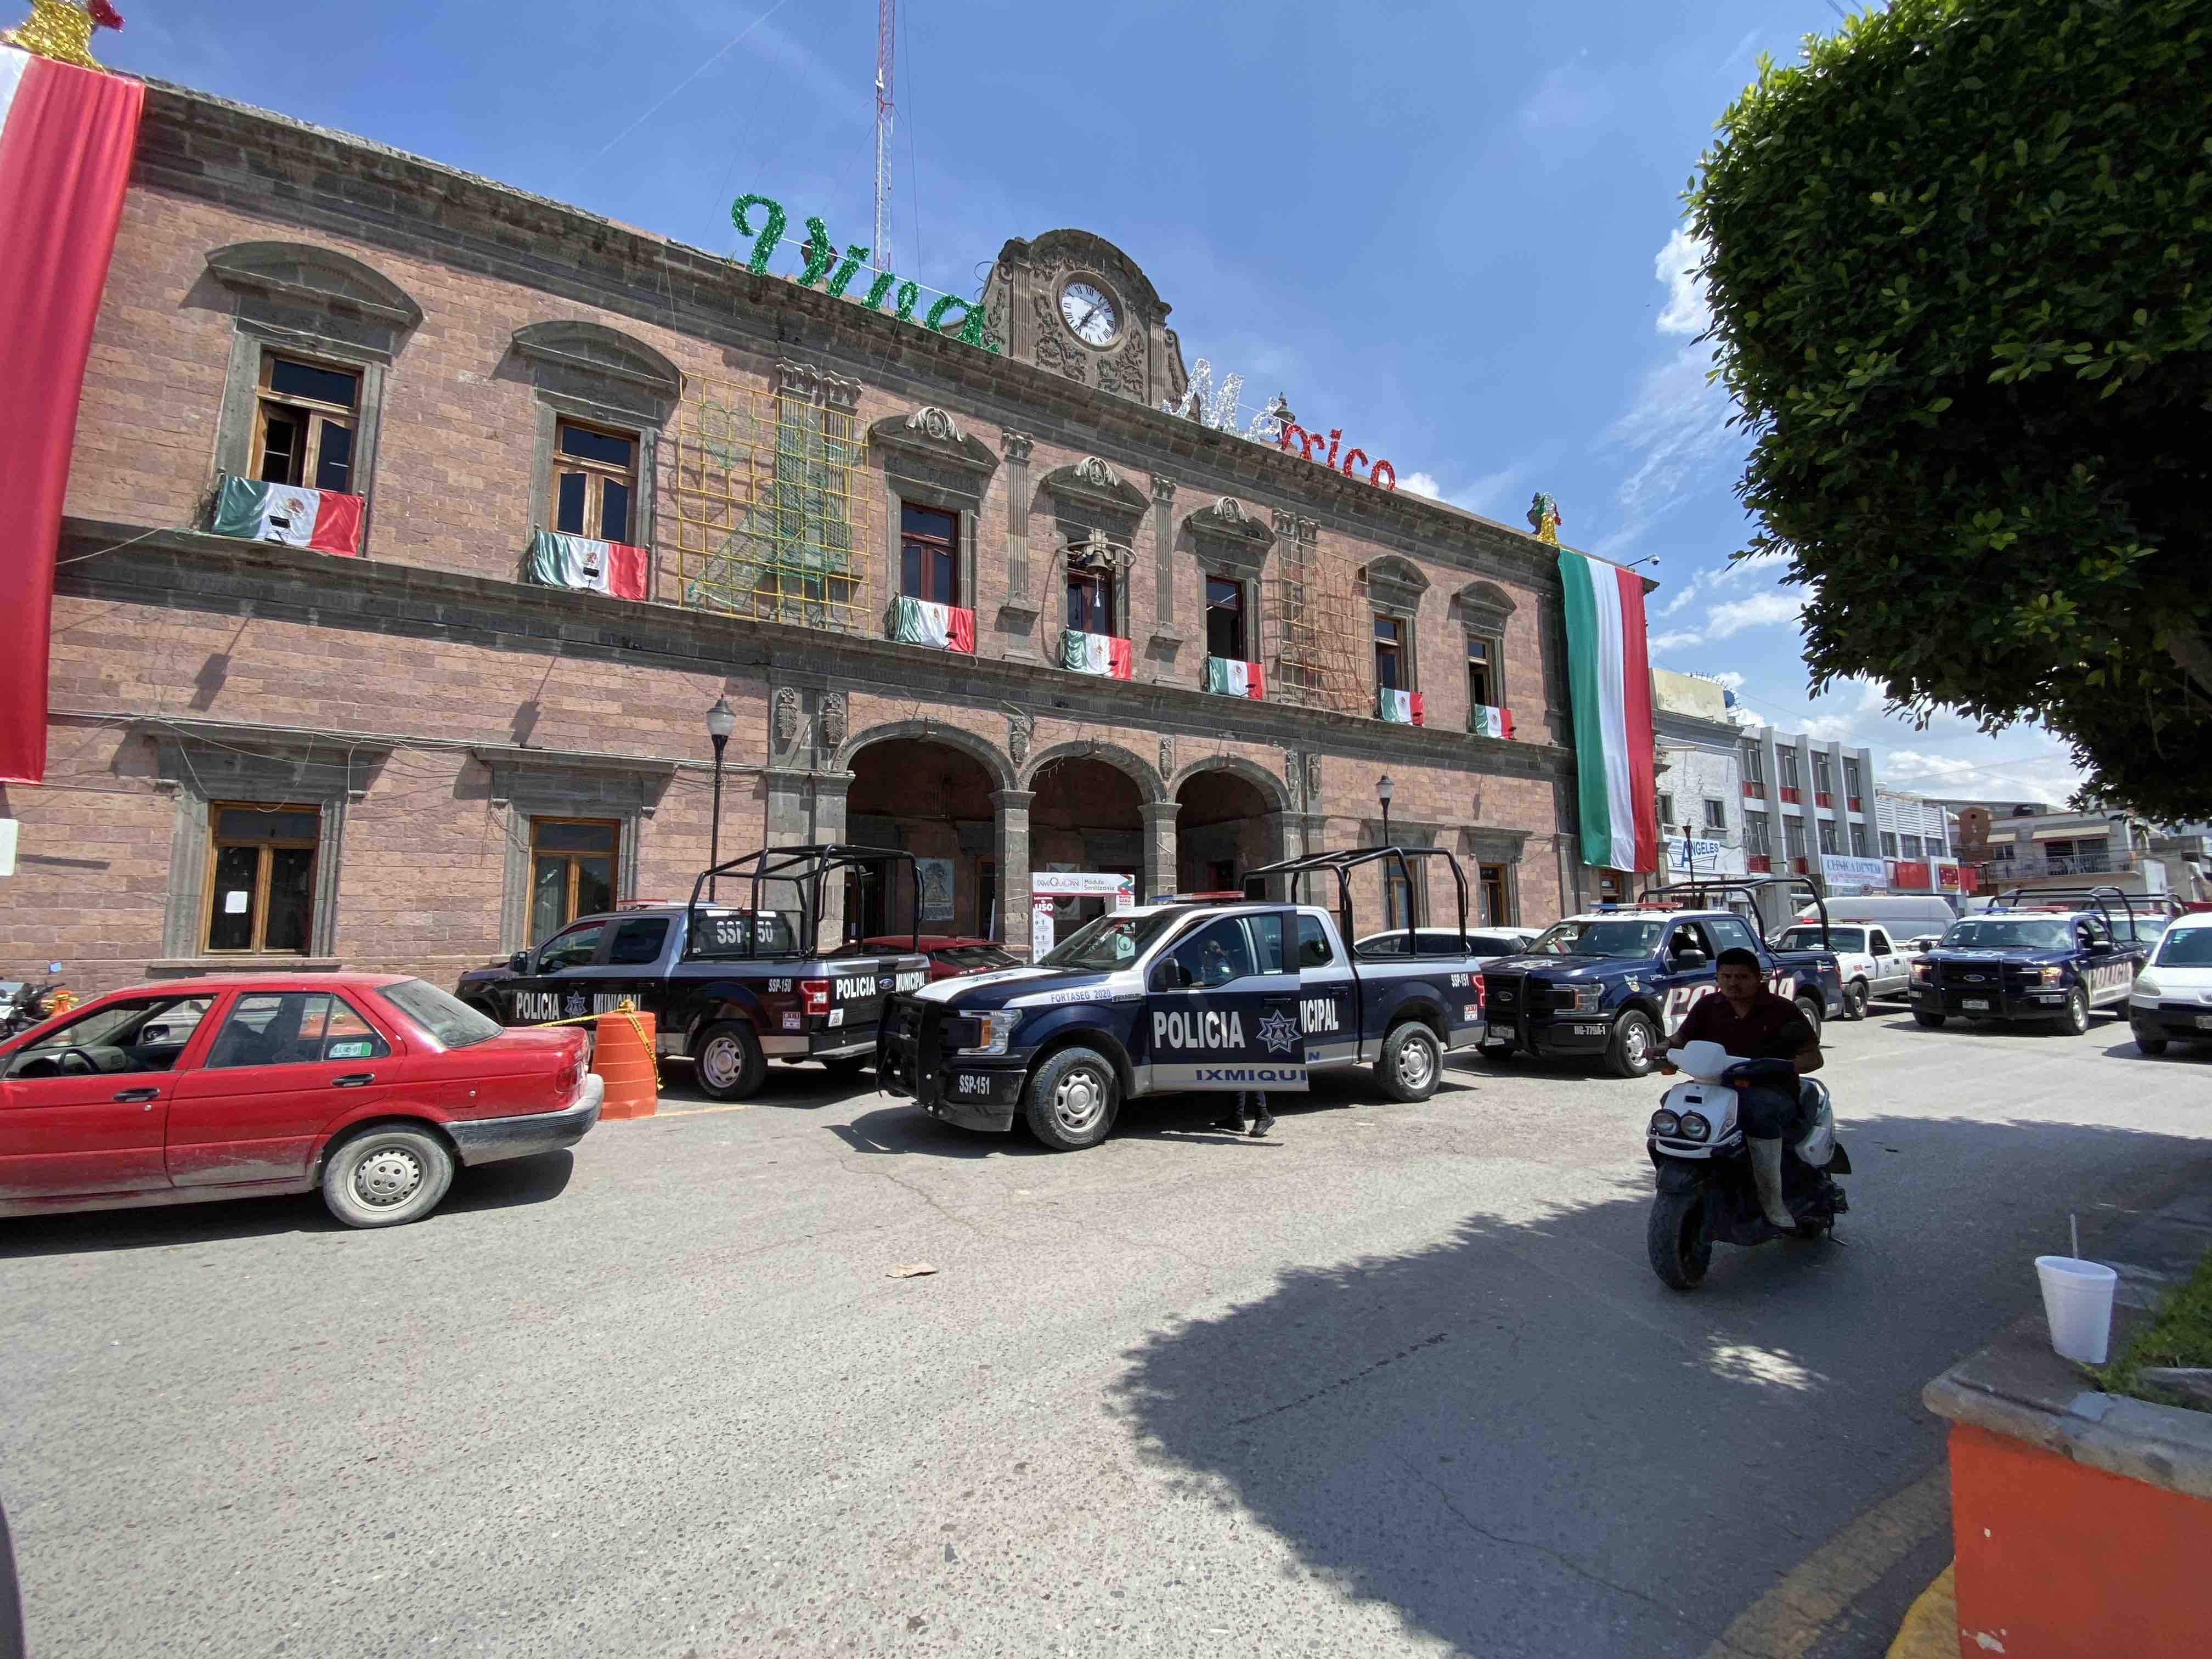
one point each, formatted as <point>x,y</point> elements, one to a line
<point>886,40</point>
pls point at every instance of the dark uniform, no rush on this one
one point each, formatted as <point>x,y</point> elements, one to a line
<point>1774,1028</point>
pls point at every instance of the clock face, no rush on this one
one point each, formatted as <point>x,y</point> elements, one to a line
<point>1090,311</point>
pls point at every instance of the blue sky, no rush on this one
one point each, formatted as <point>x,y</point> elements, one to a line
<point>1452,231</point>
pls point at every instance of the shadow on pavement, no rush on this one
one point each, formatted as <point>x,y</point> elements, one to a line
<point>1518,1435</point>
<point>494,1187</point>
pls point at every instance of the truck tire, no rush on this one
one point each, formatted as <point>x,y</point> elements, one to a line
<point>1933,1022</point>
<point>1675,1239</point>
<point>386,1175</point>
<point>1856,998</point>
<point>1412,1062</point>
<point>1071,1099</point>
<point>2150,1045</point>
<point>1808,1003</point>
<point>2075,1020</point>
<point>1635,1046</point>
<point>728,1061</point>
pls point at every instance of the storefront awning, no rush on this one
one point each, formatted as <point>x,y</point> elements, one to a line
<point>2082,833</point>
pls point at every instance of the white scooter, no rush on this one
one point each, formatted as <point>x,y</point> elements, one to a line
<point>1708,1188</point>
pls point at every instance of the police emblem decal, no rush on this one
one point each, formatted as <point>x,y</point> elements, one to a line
<point>1277,1032</point>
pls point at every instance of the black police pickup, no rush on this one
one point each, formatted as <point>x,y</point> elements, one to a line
<point>732,986</point>
<point>1614,983</point>
<point>1203,995</point>
<point>2050,956</point>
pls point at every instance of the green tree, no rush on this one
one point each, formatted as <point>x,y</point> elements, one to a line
<point>1956,261</point>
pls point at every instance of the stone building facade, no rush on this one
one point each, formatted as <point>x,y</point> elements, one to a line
<point>419,758</point>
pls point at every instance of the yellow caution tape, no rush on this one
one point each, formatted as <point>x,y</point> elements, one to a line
<point>628,1010</point>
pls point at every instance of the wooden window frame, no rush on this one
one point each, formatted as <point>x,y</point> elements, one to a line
<point>1109,585</point>
<point>257,945</point>
<point>596,475</point>
<point>1401,643</point>
<point>1715,813</point>
<point>1246,642</point>
<point>949,546</point>
<point>1489,665</point>
<point>613,855</point>
<point>312,411</point>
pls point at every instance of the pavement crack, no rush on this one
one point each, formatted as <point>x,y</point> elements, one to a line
<point>876,1167</point>
<point>1359,1376</point>
<point>1565,1560</point>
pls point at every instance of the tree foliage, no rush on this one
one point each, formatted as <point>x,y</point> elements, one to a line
<point>1957,265</point>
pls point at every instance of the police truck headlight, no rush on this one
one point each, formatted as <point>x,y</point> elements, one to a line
<point>1920,973</point>
<point>1694,1127</point>
<point>1581,998</point>
<point>993,1031</point>
<point>2052,975</point>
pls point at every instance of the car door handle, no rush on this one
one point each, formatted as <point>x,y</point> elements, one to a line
<point>353,1080</point>
<point>139,1094</point>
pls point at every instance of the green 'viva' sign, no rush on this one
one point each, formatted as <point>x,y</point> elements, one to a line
<point>823,263</point>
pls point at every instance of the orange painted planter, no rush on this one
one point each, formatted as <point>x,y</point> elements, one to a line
<point>622,1056</point>
<point>2059,1560</point>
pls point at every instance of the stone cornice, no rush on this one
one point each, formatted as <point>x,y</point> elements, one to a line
<point>186,569</point>
<point>193,143</point>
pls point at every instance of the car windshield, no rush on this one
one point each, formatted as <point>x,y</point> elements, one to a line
<point>2009,933</point>
<point>2186,947</point>
<point>1600,939</point>
<point>975,957</point>
<point>1112,941</point>
<point>451,1022</point>
<point>1801,937</point>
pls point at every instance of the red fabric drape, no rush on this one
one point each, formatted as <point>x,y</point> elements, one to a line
<point>64,158</point>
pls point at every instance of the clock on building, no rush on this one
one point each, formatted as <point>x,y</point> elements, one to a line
<point>1090,313</point>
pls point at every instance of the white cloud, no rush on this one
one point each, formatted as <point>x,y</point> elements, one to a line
<point>1681,640</point>
<point>1485,494</point>
<point>1730,678</point>
<point>1678,266</point>
<point>1734,573</point>
<point>1422,483</point>
<point>1726,621</point>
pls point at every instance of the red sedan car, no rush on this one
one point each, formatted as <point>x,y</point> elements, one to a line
<point>372,1086</point>
<point>951,956</point>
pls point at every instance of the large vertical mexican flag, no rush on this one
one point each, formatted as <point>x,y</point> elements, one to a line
<point>1610,676</point>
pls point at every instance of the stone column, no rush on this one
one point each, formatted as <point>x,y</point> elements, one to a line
<point>1163,494</point>
<point>1287,831</point>
<point>1159,875</point>
<point>828,790</point>
<point>1011,849</point>
<point>1017,457</point>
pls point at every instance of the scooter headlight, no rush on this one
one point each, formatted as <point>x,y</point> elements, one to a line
<point>1694,1127</point>
<point>1664,1122</point>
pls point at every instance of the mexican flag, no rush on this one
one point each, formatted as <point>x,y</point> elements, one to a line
<point>1233,678</point>
<point>1488,722</point>
<point>322,519</point>
<point>1399,708</point>
<point>1094,653</point>
<point>947,626</point>
<point>1610,678</point>
<point>615,568</point>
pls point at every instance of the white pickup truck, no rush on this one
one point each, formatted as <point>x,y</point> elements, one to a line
<point>1871,963</point>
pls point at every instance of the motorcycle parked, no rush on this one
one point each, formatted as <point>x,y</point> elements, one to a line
<point>23,1004</point>
<point>1707,1191</point>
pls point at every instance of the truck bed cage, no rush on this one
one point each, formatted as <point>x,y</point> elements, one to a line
<point>1293,870</point>
<point>1750,887</point>
<point>2102,898</point>
<point>806,868</point>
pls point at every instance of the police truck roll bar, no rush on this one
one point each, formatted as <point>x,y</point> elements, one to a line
<point>806,867</point>
<point>1293,872</point>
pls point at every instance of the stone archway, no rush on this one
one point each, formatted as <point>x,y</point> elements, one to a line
<point>1230,818</point>
<point>940,801</point>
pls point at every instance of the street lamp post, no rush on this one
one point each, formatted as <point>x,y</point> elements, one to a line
<point>1383,790</point>
<point>721,721</point>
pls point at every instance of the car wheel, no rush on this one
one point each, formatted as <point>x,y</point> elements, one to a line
<point>1675,1239</point>
<point>2151,1045</point>
<point>728,1061</point>
<point>2075,1020</point>
<point>1634,1049</point>
<point>1071,1100</point>
<point>1933,1022</point>
<point>383,1177</point>
<point>1410,1062</point>
<point>1808,1005</point>
<point>1856,998</point>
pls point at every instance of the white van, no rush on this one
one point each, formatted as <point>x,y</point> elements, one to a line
<point>1906,917</point>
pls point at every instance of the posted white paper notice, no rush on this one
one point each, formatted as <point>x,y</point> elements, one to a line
<point>234,903</point>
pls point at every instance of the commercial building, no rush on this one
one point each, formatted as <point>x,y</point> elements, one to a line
<point>2040,851</point>
<point>1805,802</point>
<point>1699,775</point>
<point>1915,844</point>
<point>513,496</point>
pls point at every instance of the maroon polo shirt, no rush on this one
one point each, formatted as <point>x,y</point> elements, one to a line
<point>1774,1029</point>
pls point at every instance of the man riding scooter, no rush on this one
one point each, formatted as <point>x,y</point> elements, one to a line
<point>1780,1045</point>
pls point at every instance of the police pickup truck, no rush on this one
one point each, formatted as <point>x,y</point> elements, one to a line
<point>2050,956</point>
<point>1203,995</point>
<point>731,987</point>
<point>1613,983</point>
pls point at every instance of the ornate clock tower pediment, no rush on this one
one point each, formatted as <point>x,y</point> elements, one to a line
<point>1077,305</point>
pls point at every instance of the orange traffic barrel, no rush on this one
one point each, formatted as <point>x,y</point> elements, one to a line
<point>622,1056</point>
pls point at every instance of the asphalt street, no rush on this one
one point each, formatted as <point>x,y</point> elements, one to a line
<point>1396,1380</point>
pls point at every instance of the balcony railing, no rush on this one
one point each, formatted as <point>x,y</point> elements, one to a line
<point>2061,864</point>
<point>1754,787</point>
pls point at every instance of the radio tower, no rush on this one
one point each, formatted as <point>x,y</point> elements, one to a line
<point>886,38</point>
